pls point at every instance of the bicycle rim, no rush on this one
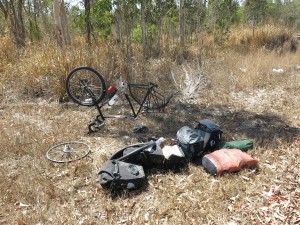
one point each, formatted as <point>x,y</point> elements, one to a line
<point>85,86</point>
<point>68,152</point>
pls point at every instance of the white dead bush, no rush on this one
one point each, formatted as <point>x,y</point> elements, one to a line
<point>190,80</point>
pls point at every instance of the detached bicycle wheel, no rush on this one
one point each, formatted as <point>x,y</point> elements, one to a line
<point>153,101</point>
<point>68,152</point>
<point>85,86</point>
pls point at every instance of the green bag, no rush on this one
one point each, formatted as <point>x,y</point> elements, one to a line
<point>243,144</point>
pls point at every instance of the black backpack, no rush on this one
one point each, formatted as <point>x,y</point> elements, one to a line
<point>211,133</point>
<point>190,141</point>
<point>115,175</point>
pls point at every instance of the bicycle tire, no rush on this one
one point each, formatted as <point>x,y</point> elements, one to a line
<point>63,152</point>
<point>85,86</point>
<point>154,101</point>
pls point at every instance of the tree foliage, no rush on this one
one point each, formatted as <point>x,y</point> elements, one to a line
<point>101,19</point>
<point>154,23</point>
<point>256,11</point>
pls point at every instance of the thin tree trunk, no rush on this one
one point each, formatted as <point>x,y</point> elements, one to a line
<point>167,36</point>
<point>119,16</point>
<point>20,23</point>
<point>159,30</point>
<point>199,22</point>
<point>181,18</point>
<point>143,28</point>
<point>87,6</point>
<point>253,26</point>
<point>31,24</point>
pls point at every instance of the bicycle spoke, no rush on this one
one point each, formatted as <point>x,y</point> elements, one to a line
<point>85,83</point>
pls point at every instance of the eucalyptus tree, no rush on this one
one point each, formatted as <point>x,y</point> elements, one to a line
<point>59,26</point>
<point>32,11</point>
<point>38,18</point>
<point>194,19</point>
<point>13,14</point>
<point>101,18</point>
<point>126,16</point>
<point>87,8</point>
<point>221,15</point>
<point>255,11</point>
<point>156,17</point>
<point>275,10</point>
<point>291,13</point>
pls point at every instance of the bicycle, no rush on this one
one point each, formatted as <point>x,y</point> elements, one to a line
<point>87,87</point>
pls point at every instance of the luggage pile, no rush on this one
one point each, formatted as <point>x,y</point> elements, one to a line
<point>126,168</point>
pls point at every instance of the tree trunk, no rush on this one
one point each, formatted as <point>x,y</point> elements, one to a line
<point>199,22</point>
<point>159,31</point>
<point>87,7</point>
<point>181,21</point>
<point>58,27</point>
<point>119,23</point>
<point>64,23</point>
<point>143,28</point>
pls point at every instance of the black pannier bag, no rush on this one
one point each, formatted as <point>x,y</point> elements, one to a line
<point>138,158</point>
<point>115,175</point>
<point>211,133</point>
<point>190,141</point>
<point>140,154</point>
<point>150,157</point>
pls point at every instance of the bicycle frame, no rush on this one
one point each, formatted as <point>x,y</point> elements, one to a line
<point>101,117</point>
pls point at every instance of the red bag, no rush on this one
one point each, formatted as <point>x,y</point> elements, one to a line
<point>227,160</point>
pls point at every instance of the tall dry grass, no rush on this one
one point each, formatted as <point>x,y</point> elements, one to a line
<point>40,69</point>
<point>273,38</point>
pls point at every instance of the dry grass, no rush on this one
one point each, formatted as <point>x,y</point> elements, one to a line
<point>239,92</point>
<point>279,39</point>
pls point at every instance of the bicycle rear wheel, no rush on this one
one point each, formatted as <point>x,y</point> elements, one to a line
<point>85,86</point>
<point>153,101</point>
